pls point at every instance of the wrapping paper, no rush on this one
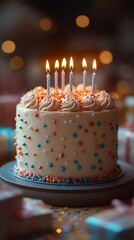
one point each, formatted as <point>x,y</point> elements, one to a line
<point>114,224</point>
<point>126,144</point>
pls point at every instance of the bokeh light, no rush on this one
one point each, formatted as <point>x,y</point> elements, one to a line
<point>82,21</point>
<point>46,24</point>
<point>123,87</point>
<point>59,230</point>
<point>106,57</point>
<point>126,71</point>
<point>8,46</point>
<point>16,62</point>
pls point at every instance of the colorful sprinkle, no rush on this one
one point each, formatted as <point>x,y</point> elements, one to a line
<point>75,162</point>
<point>36,115</point>
<point>30,127</point>
<point>93,167</point>
<point>50,165</point>
<point>24,136</point>
<point>80,143</point>
<point>99,123</point>
<point>38,145</point>
<point>40,167</point>
<point>79,167</point>
<point>91,124</point>
<point>21,119</point>
<point>29,137</point>
<point>103,177</point>
<point>25,163</point>
<point>62,169</point>
<point>44,125</point>
<point>32,166</point>
<point>79,126</point>
<point>102,145</point>
<point>36,130</point>
<point>20,127</point>
<point>96,154</point>
<point>99,161</point>
<point>61,155</point>
<point>46,141</point>
<point>74,135</point>
<point>26,153</point>
<point>24,144</point>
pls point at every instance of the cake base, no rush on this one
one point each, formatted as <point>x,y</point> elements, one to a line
<point>80,195</point>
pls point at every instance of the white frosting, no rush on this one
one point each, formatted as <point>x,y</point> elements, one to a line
<point>69,103</point>
<point>49,103</point>
<point>29,100</point>
<point>70,136</point>
<point>90,103</point>
<point>106,100</point>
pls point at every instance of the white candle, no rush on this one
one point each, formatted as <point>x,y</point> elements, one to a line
<point>56,75</point>
<point>71,65</point>
<point>48,78</point>
<point>84,65</point>
<point>94,76</point>
<point>63,65</point>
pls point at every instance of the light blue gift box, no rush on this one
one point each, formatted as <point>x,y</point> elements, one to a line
<point>111,225</point>
<point>9,134</point>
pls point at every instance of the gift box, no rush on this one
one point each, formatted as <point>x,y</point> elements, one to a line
<point>7,142</point>
<point>22,216</point>
<point>34,217</point>
<point>10,205</point>
<point>8,104</point>
<point>126,144</point>
<point>114,224</point>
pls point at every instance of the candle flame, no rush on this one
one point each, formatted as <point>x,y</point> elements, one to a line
<point>64,63</point>
<point>56,64</point>
<point>94,65</point>
<point>47,66</point>
<point>71,64</point>
<point>84,63</point>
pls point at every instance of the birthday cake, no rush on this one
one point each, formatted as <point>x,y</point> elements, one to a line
<point>65,137</point>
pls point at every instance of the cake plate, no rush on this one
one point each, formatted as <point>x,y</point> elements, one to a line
<point>80,195</point>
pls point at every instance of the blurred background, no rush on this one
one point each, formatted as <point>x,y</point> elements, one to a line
<point>32,31</point>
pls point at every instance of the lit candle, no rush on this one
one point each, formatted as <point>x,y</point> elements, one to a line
<point>63,65</point>
<point>84,65</point>
<point>71,65</point>
<point>48,78</point>
<point>56,75</point>
<point>94,76</point>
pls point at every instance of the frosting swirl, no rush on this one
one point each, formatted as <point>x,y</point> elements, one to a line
<point>90,103</point>
<point>49,103</point>
<point>30,100</point>
<point>106,100</point>
<point>69,103</point>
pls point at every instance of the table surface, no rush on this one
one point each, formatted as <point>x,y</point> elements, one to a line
<point>69,223</point>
